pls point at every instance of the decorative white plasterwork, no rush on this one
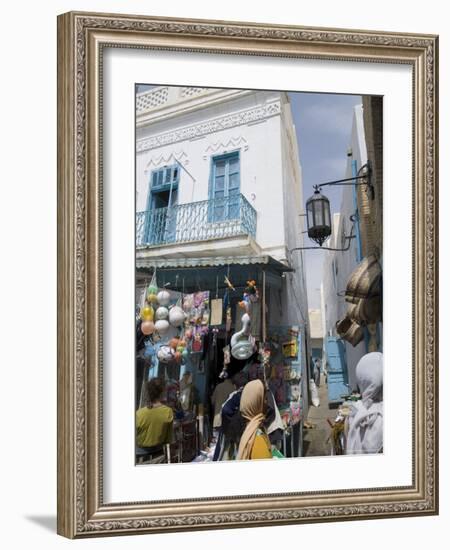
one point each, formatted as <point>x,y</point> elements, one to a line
<point>225,146</point>
<point>210,126</point>
<point>164,160</point>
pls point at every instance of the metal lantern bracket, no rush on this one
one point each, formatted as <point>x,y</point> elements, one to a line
<point>347,238</point>
<point>366,176</point>
<point>322,231</point>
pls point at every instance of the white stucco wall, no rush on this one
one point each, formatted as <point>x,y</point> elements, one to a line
<point>334,306</point>
<point>258,142</point>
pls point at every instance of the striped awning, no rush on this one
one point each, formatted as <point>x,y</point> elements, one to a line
<point>217,261</point>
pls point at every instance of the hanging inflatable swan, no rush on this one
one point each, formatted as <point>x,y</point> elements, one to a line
<point>242,342</point>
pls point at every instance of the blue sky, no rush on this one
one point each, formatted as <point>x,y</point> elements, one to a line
<point>323,123</point>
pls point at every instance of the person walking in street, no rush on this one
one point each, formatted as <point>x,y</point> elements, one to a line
<point>365,422</point>
<point>254,443</point>
<point>220,394</point>
<point>316,371</point>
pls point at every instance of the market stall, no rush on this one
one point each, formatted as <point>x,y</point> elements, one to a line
<point>198,325</point>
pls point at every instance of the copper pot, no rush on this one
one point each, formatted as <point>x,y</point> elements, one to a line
<point>350,330</point>
<point>365,280</point>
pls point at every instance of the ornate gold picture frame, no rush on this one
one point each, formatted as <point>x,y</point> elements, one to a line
<point>82,38</point>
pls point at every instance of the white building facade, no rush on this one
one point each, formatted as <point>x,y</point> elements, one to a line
<point>218,175</point>
<point>219,191</point>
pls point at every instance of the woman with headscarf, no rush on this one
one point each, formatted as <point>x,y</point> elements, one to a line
<point>254,442</point>
<point>365,422</point>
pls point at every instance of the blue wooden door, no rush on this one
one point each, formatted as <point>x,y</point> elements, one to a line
<point>337,370</point>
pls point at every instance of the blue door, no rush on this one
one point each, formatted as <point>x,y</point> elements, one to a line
<point>337,370</point>
<point>225,188</point>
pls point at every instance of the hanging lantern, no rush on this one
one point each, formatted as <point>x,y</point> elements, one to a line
<point>318,217</point>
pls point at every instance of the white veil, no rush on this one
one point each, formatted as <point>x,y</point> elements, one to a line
<point>365,433</point>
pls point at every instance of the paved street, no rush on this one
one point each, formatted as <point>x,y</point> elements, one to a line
<point>315,438</point>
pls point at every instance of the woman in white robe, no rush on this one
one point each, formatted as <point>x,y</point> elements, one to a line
<point>365,421</point>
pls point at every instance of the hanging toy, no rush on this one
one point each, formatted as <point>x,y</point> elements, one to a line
<point>252,291</point>
<point>162,326</point>
<point>251,295</point>
<point>226,362</point>
<point>147,328</point>
<point>161,313</point>
<point>163,297</point>
<point>173,343</point>
<point>152,289</point>
<point>149,351</point>
<point>229,283</point>
<point>242,342</point>
<point>147,313</point>
<point>165,354</point>
<point>176,316</point>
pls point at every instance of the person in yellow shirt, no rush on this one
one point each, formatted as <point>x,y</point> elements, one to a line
<point>254,442</point>
<point>154,423</point>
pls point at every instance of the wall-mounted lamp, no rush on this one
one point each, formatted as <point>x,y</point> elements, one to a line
<point>318,213</point>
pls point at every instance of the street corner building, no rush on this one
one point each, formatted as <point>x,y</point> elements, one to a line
<point>218,208</point>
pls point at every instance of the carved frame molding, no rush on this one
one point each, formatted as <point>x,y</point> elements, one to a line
<point>81,36</point>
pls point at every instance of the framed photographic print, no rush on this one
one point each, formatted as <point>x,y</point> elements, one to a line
<point>247,283</point>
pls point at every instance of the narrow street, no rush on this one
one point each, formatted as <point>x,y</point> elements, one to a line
<point>315,438</point>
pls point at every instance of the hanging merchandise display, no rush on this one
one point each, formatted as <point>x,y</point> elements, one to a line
<point>216,311</point>
<point>161,313</point>
<point>226,362</point>
<point>242,342</point>
<point>149,350</point>
<point>165,354</point>
<point>147,313</point>
<point>251,295</point>
<point>162,326</point>
<point>176,316</point>
<point>163,297</point>
<point>147,328</point>
<point>152,291</point>
<point>197,314</point>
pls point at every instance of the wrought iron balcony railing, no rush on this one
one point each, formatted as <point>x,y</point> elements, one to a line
<point>196,221</point>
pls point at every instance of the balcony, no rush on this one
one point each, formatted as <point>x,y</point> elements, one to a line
<point>215,219</point>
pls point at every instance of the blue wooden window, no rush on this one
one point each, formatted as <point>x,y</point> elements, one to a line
<point>164,178</point>
<point>162,193</point>
<point>225,184</point>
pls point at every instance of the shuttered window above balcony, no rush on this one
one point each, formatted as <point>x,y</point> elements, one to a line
<point>165,177</point>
